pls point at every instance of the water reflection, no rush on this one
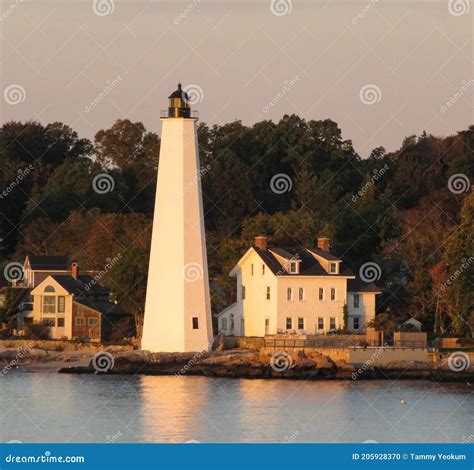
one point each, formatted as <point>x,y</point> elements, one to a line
<point>45,407</point>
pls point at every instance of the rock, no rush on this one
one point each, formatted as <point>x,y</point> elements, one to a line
<point>218,343</point>
<point>230,359</point>
<point>342,364</point>
<point>325,362</point>
<point>461,364</point>
<point>314,354</point>
<point>408,365</point>
<point>22,354</point>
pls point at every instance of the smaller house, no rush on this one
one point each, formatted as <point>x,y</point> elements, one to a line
<point>74,306</point>
<point>36,268</point>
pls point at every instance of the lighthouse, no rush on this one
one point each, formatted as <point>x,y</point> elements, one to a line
<point>177,307</point>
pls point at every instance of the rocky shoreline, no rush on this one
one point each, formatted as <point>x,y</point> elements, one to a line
<point>236,363</point>
<point>252,364</point>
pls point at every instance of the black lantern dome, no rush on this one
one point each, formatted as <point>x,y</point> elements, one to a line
<point>179,104</point>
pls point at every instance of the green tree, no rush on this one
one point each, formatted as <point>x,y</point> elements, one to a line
<point>29,154</point>
<point>227,193</point>
<point>128,147</point>
<point>128,280</point>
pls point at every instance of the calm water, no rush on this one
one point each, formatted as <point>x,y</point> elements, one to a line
<point>47,407</point>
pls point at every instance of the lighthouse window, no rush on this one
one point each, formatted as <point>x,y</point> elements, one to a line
<point>195,323</point>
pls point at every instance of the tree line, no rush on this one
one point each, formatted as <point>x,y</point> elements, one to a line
<point>409,212</point>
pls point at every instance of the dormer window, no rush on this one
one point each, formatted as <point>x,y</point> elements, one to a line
<point>333,268</point>
<point>293,267</point>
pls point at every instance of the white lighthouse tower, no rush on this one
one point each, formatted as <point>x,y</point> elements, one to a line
<point>177,308</point>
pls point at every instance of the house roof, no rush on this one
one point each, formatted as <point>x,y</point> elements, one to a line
<point>46,262</point>
<point>230,307</point>
<point>358,285</point>
<point>283,253</point>
<point>309,266</point>
<point>325,254</point>
<point>83,286</point>
<point>102,306</point>
<point>89,293</point>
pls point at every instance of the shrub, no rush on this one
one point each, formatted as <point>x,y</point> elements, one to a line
<point>38,331</point>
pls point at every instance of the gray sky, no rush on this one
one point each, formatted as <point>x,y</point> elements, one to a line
<point>382,70</point>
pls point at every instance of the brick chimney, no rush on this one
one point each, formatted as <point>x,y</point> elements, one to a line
<point>261,242</point>
<point>324,243</point>
<point>74,269</point>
